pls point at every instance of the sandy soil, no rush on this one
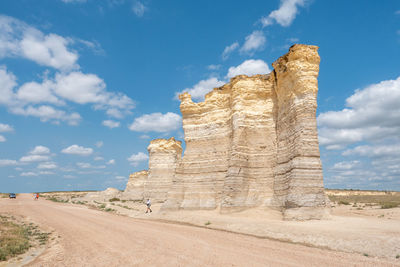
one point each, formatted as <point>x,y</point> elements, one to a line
<point>88,237</point>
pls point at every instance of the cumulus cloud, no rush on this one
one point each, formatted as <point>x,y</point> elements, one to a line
<point>85,165</point>
<point>8,162</point>
<point>372,114</point>
<point>34,158</point>
<point>375,151</point>
<point>285,15</point>
<point>229,49</point>
<point>5,128</point>
<point>18,39</point>
<point>98,158</point>
<point>135,159</point>
<point>111,124</point>
<point>199,90</point>
<point>33,98</point>
<point>139,8</point>
<point>7,83</point>
<point>157,122</point>
<point>253,42</point>
<point>48,113</point>
<point>40,150</point>
<point>29,174</point>
<point>77,150</point>
<point>2,138</point>
<point>47,165</point>
<point>249,67</point>
<point>111,162</point>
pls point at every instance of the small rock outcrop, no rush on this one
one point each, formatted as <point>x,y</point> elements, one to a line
<point>252,143</point>
<point>156,182</point>
<point>135,187</point>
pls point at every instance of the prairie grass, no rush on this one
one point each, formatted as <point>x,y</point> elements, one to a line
<point>16,237</point>
<point>387,201</point>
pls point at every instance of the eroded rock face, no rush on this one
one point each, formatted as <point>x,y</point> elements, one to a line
<point>156,182</point>
<point>135,187</point>
<point>252,143</point>
<point>163,157</point>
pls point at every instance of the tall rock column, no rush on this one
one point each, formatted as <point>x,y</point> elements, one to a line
<point>250,176</point>
<point>163,157</point>
<point>298,175</point>
<point>200,174</point>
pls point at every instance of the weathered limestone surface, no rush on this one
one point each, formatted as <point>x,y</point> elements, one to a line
<point>163,157</point>
<point>135,187</point>
<point>156,182</point>
<point>252,143</point>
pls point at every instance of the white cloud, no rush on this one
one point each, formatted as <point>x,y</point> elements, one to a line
<point>229,49</point>
<point>48,113</point>
<point>47,165</point>
<point>5,128</point>
<point>213,67</point>
<point>85,165</point>
<point>255,41</point>
<point>8,162</point>
<point>375,151</point>
<point>119,177</point>
<point>111,162</point>
<point>199,90</point>
<point>249,67</point>
<point>111,124</point>
<point>144,136</point>
<point>135,159</point>
<point>157,122</point>
<point>46,173</point>
<point>99,144</point>
<point>138,8</point>
<point>7,83</point>
<point>285,14</point>
<point>2,139</point>
<point>90,89</point>
<point>345,165</point>
<point>33,92</point>
<point>29,174</point>
<point>372,115</point>
<point>40,150</point>
<point>77,150</point>
<point>98,158</point>
<point>34,158</point>
<point>21,40</point>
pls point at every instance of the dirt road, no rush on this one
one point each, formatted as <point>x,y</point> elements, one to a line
<point>89,237</point>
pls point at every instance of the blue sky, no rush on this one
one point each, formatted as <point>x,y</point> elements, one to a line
<point>85,84</point>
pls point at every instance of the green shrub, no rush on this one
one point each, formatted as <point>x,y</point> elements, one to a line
<point>114,199</point>
<point>342,202</point>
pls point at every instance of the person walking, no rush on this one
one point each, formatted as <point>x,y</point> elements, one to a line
<point>148,204</point>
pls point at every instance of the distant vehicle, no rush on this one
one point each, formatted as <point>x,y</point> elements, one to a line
<point>12,195</point>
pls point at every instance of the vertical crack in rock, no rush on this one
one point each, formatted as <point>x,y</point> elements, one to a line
<point>252,143</point>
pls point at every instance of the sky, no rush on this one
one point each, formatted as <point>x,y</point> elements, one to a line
<point>86,84</point>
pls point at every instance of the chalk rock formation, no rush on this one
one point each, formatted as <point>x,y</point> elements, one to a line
<point>155,183</point>
<point>163,157</point>
<point>253,142</point>
<point>135,187</point>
